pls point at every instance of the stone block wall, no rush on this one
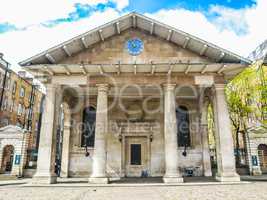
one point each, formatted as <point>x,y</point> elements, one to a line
<point>80,166</point>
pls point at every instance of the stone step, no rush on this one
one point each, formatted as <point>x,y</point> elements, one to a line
<point>4,177</point>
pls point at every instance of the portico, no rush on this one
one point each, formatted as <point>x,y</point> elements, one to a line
<point>134,112</point>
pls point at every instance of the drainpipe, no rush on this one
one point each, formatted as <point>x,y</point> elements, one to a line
<point>4,81</point>
<point>40,121</point>
<point>31,106</point>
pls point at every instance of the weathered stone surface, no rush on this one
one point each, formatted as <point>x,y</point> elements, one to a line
<point>251,191</point>
<point>108,159</point>
<point>113,50</point>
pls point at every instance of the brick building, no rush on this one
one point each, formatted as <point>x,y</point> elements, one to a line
<point>20,105</point>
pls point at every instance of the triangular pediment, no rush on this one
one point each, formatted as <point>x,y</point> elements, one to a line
<point>86,41</point>
<point>11,129</point>
<point>154,49</point>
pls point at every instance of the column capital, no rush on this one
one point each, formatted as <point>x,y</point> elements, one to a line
<point>168,86</point>
<point>103,87</point>
<point>51,85</point>
<point>220,86</point>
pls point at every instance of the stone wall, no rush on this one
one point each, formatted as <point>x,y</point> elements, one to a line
<point>113,50</point>
<point>157,50</point>
<point>80,166</point>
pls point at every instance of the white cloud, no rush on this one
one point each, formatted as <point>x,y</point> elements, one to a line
<point>31,12</point>
<point>221,31</point>
<point>229,19</point>
<point>19,45</point>
<point>121,3</point>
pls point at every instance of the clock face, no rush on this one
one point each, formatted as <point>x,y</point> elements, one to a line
<point>135,46</point>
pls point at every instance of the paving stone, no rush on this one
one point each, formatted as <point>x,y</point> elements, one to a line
<point>251,191</point>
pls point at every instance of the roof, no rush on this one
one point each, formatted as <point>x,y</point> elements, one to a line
<point>3,63</point>
<point>134,20</point>
<point>260,53</point>
<point>258,131</point>
<point>11,128</point>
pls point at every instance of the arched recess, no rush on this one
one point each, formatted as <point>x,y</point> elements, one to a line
<point>183,126</point>
<point>66,140</point>
<point>262,152</point>
<point>7,158</point>
<point>88,132</point>
<point>204,131</point>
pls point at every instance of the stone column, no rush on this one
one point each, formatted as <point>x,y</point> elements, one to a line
<point>204,135</point>
<point>100,150</point>
<point>172,174</point>
<point>23,153</point>
<point>224,139</point>
<point>46,159</point>
<point>1,158</point>
<point>64,172</point>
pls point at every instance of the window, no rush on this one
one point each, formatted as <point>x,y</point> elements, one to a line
<point>30,114</point>
<point>20,109</point>
<point>7,84</point>
<point>1,80</point>
<point>19,124</point>
<point>22,92</point>
<point>14,88</point>
<point>5,103</point>
<point>136,154</point>
<point>26,113</point>
<point>12,105</point>
<point>30,127</point>
<point>31,98</point>
<point>36,126</point>
<point>183,128</point>
<point>88,129</point>
<point>5,122</point>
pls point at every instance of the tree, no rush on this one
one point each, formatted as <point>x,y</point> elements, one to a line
<point>247,100</point>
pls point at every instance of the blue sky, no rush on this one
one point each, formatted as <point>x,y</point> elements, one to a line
<point>154,5</point>
<point>83,10</point>
<point>25,30</point>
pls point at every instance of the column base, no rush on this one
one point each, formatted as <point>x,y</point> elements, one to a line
<point>208,174</point>
<point>235,178</point>
<point>64,175</point>
<point>256,172</point>
<point>98,180</point>
<point>173,179</point>
<point>50,179</point>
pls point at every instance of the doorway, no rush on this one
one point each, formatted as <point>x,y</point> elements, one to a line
<point>262,152</point>
<point>7,159</point>
<point>136,156</point>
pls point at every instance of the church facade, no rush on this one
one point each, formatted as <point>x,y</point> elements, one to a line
<point>130,99</point>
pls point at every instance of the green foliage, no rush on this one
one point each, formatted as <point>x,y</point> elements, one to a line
<point>211,137</point>
<point>247,96</point>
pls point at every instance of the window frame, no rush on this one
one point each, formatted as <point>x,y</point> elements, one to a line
<point>22,94</point>
<point>180,140</point>
<point>14,87</point>
<point>83,143</point>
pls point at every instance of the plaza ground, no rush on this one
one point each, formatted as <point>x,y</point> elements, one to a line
<point>19,189</point>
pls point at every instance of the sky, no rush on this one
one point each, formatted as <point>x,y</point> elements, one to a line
<point>28,27</point>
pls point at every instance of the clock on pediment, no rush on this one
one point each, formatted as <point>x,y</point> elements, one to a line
<point>134,46</point>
